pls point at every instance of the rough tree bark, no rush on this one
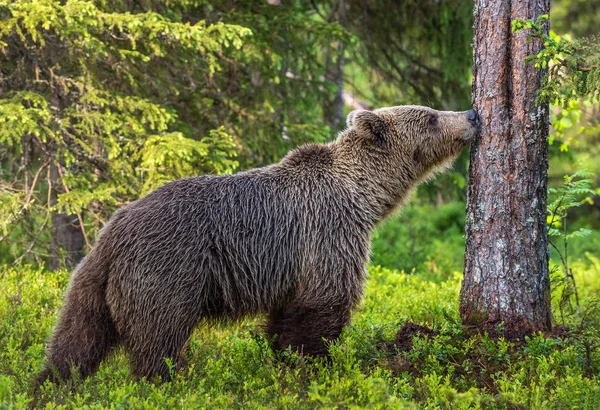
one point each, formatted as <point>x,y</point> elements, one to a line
<point>506,278</point>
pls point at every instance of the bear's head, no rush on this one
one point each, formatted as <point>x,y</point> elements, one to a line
<point>420,140</point>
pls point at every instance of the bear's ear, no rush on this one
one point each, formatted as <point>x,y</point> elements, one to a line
<point>366,121</point>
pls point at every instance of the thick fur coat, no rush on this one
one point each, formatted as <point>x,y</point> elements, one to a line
<point>290,240</point>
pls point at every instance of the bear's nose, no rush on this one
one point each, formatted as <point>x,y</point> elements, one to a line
<point>472,117</point>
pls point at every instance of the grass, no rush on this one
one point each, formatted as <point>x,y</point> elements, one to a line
<point>233,366</point>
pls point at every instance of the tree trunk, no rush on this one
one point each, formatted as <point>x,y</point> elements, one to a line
<point>506,280</point>
<point>67,238</point>
<point>333,107</point>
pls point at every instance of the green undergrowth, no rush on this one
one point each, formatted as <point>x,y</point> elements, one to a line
<point>430,239</point>
<point>372,366</point>
<point>424,238</point>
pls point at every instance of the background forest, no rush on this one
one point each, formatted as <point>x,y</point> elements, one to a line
<point>103,101</point>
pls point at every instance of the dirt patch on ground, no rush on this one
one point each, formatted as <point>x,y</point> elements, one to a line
<point>403,342</point>
<point>475,365</point>
<point>559,331</point>
<point>404,337</point>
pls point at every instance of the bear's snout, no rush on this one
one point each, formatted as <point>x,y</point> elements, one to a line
<point>472,118</point>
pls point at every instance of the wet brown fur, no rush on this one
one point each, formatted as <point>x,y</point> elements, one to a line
<point>290,240</point>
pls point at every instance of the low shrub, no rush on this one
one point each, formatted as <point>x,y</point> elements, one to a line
<point>232,366</point>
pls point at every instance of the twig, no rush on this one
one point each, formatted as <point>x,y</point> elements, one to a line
<point>570,275</point>
<point>39,232</point>
<point>316,8</point>
<point>579,67</point>
<point>569,272</point>
<point>3,237</point>
<point>34,182</point>
<point>587,69</point>
<point>27,198</point>
<point>556,209</point>
<point>559,253</point>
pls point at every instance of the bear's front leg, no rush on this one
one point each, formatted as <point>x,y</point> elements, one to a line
<point>307,328</point>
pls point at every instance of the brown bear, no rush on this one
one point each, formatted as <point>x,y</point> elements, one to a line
<point>290,240</point>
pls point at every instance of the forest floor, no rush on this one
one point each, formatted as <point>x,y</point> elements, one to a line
<point>405,348</point>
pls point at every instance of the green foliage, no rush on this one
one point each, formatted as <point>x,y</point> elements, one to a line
<point>274,88</point>
<point>572,79</point>
<point>421,48</point>
<point>104,101</point>
<point>81,109</point>
<point>425,238</point>
<point>573,69</point>
<point>168,156</point>
<point>578,18</point>
<point>575,191</point>
<point>233,367</point>
<point>429,239</point>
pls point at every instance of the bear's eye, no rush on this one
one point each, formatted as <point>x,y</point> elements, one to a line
<point>433,120</point>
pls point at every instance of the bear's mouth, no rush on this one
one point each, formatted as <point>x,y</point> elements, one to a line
<point>470,135</point>
<point>471,131</point>
<point>473,127</point>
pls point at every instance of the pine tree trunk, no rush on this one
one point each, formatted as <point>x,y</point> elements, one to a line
<point>333,107</point>
<point>506,279</point>
<point>67,238</point>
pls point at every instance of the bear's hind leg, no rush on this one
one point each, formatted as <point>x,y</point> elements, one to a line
<point>148,356</point>
<point>306,328</point>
